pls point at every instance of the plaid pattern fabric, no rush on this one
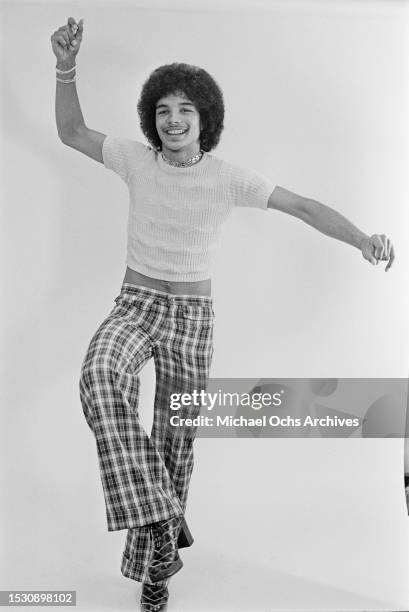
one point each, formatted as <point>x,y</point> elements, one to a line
<point>145,478</point>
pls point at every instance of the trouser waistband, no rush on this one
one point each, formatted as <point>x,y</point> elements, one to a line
<point>130,290</point>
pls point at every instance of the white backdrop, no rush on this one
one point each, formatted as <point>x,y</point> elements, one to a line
<point>317,98</point>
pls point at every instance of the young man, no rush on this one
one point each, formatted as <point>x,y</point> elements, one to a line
<point>180,195</point>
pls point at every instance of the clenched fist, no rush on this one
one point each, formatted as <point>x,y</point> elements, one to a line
<point>66,42</point>
<point>378,248</point>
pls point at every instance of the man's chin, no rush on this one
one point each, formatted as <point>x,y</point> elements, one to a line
<point>174,147</point>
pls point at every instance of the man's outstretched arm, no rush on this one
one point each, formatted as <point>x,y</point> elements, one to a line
<point>374,248</point>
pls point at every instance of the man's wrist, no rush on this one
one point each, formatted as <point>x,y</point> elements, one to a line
<point>69,64</point>
<point>362,238</point>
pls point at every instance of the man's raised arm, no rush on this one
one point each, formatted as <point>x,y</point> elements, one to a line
<point>66,42</point>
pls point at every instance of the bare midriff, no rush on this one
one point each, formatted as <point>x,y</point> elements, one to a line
<point>176,287</point>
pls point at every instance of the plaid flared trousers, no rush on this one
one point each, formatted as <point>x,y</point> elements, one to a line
<point>145,479</point>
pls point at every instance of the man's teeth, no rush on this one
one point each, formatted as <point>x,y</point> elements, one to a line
<point>175,131</point>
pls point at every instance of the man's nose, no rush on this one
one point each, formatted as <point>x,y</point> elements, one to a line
<point>174,117</point>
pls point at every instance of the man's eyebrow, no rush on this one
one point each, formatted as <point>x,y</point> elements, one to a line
<point>180,103</point>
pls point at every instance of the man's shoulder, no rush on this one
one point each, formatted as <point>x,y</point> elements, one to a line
<point>217,164</point>
<point>129,146</point>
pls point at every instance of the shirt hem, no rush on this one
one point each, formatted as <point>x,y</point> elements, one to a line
<point>167,276</point>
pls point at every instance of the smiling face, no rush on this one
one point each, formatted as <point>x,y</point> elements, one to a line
<point>178,125</point>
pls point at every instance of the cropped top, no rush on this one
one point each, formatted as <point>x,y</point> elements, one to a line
<point>175,213</point>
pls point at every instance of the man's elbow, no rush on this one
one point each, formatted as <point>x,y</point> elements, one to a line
<point>307,209</point>
<point>69,136</point>
<point>312,209</point>
<point>64,137</point>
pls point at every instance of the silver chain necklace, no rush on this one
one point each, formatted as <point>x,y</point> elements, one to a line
<point>189,162</point>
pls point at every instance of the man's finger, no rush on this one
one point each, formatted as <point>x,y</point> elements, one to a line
<point>64,35</point>
<point>391,258</point>
<point>376,253</point>
<point>67,30</point>
<point>367,253</point>
<point>80,30</point>
<point>59,38</point>
<point>387,249</point>
<point>73,27</point>
<point>63,31</point>
<point>384,246</point>
<point>378,246</point>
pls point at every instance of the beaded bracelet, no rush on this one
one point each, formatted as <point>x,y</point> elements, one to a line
<point>58,71</point>
<point>67,80</point>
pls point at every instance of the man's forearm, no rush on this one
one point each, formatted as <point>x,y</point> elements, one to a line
<point>330,222</point>
<point>68,112</point>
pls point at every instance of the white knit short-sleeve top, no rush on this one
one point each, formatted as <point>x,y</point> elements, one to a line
<point>175,213</point>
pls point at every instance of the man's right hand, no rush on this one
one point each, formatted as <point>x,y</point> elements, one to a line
<point>66,42</point>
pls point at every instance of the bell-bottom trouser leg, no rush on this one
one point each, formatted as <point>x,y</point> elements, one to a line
<point>145,478</point>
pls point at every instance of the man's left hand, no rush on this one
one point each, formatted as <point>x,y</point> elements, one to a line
<point>378,248</point>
